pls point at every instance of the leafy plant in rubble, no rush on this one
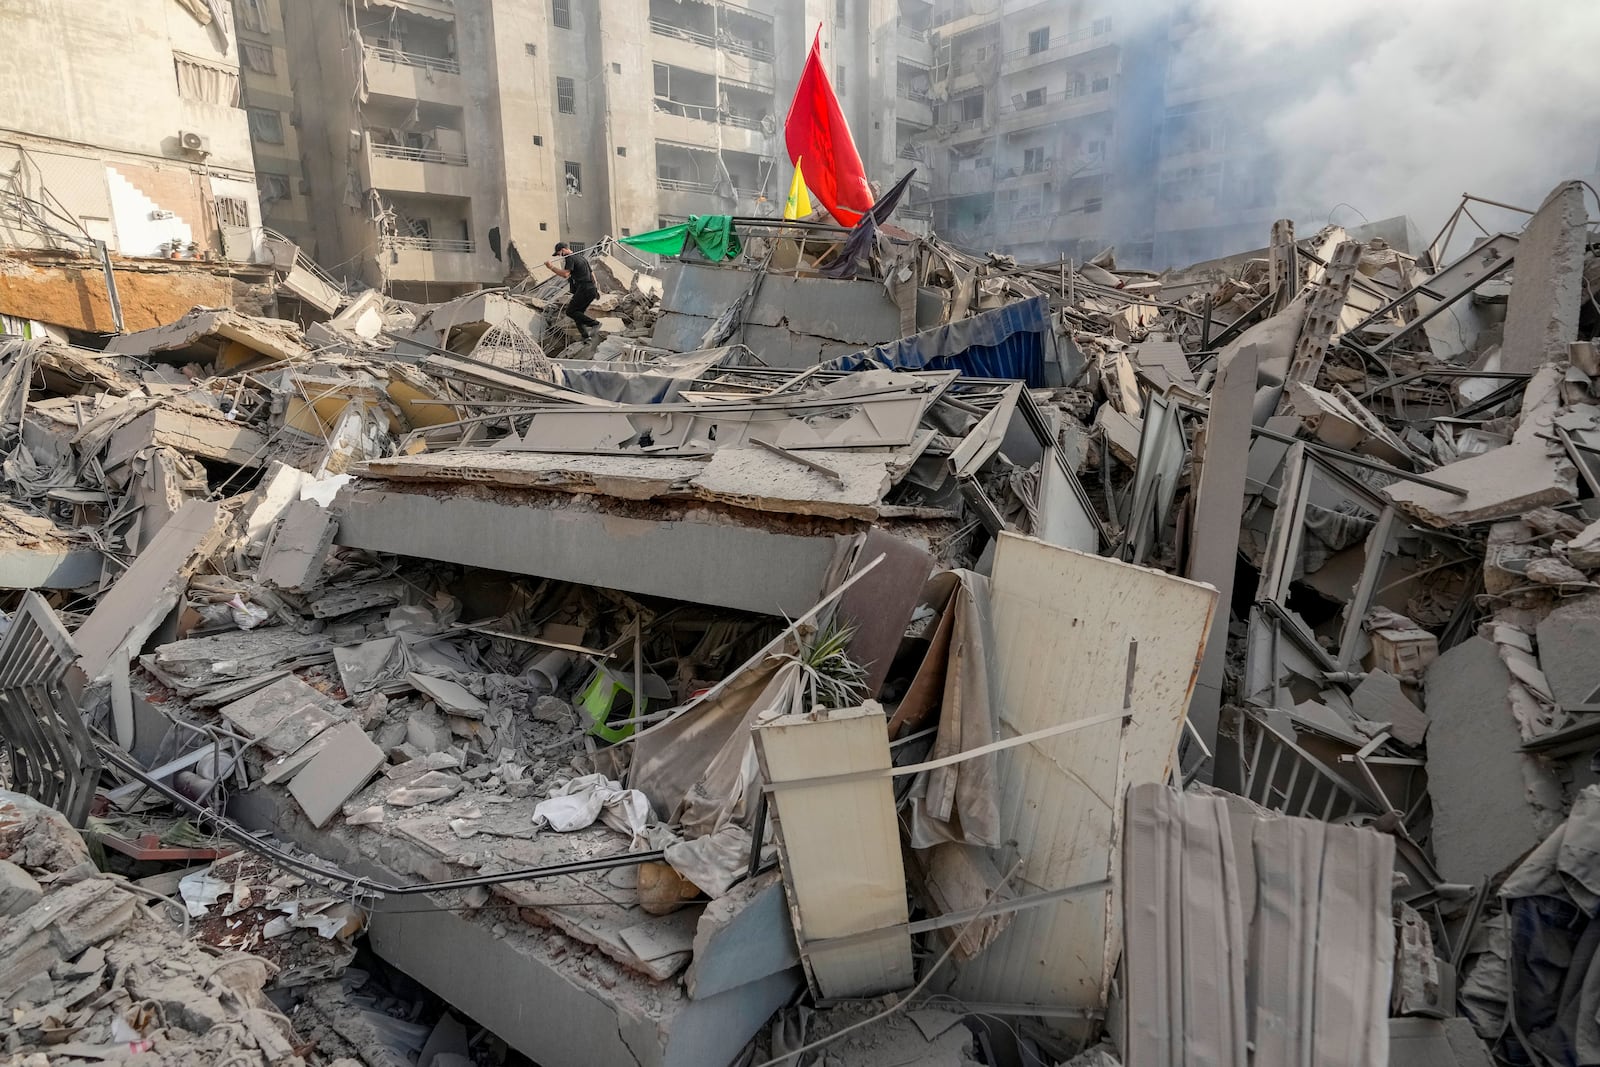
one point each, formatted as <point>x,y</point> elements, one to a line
<point>830,676</point>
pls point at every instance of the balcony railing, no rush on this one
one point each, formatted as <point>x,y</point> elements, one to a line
<point>667,29</point>
<point>420,155</point>
<point>397,242</point>
<point>749,49</point>
<point>917,211</point>
<point>699,112</point>
<point>677,185</point>
<point>905,92</point>
<point>744,122</point>
<point>1060,44</point>
<point>414,59</point>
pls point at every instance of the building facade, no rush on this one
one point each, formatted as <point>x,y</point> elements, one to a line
<point>431,135</point>
<point>124,124</point>
<point>1064,126</point>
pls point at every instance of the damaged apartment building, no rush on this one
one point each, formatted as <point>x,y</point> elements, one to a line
<point>861,651</point>
<point>418,171</point>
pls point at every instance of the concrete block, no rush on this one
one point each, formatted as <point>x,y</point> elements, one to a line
<point>1568,638</point>
<point>18,889</point>
<point>1479,781</point>
<point>294,556</point>
<point>743,936</point>
<point>1583,551</point>
<point>1547,282</point>
<point>1380,698</point>
<point>427,731</point>
<point>335,774</point>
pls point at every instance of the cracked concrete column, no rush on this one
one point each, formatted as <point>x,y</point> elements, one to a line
<point>1547,290</point>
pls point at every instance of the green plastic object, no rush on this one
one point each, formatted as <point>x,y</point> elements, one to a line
<point>608,697</point>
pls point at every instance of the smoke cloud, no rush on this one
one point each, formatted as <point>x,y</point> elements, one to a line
<point>1398,106</point>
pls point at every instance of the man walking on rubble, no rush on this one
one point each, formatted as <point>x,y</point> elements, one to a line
<point>580,276</point>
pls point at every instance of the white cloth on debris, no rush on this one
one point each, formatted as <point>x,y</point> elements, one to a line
<point>579,802</point>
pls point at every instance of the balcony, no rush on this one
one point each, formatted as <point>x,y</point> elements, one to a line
<point>1075,44</point>
<point>1018,177</point>
<point>740,133</point>
<point>973,181</point>
<point>428,259</point>
<point>913,108</point>
<point>1053,108</point>
<point>912,46</point>
<point>403,169</point>
<point>412,76</point>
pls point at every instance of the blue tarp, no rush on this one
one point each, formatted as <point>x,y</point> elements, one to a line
<point>1007,342</point>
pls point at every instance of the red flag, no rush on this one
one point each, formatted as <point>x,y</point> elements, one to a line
<point>820,144</point>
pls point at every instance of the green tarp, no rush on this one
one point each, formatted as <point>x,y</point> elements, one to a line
<point>712,234</point>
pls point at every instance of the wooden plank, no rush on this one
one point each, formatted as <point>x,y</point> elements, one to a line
<point>1078,636</point>
<point>840,846</point>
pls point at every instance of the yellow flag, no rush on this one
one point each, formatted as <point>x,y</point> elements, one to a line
<point>798,206</point>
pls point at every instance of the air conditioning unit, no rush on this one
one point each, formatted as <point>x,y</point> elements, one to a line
<point>194,144</point>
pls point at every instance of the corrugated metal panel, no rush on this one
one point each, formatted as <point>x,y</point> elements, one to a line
<point>1078,636</point>
<point>1253,939</point>
<point>1007,342</point>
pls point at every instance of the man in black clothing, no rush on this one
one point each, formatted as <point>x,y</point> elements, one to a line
<point>580,276</point>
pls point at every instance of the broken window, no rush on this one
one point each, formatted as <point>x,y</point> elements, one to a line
<point>566,96</point>
<point>1033,98</point>
<point>258,57</point>
<point>574,178</point>
<point>274,188</point>
<point>1038,40</point>
<point>1101,83</point>
<point>205,82</point>
<point>1092,205</point>
<point>420,228</point>
<point>561,14</point>
<point>663,81</point>
<point>234,211</point>
<point>972,107</point>
<point>1102,26</point>
<point>1033,160</point>
<point>266,125</point>
<point>252,15</point>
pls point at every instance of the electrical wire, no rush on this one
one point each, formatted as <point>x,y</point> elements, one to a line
<point>359,885</point>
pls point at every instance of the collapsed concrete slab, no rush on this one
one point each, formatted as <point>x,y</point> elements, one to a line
<point>1547,286</point>
<point>1499,484</point>
<point>34,554</point>
<point>1479,781</point>
<point>685,553</point>
<point>545,989</point>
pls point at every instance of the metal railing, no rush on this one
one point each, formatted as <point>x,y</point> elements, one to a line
<point>699,112</point>
<point>912,32</point>
<point>667,29</point>
<point>1056,44</point>
<point>419,155</point>
<point>678,185</point>
<point>744,122</point>
<point>397,242</point>
<point>748,49</point>
<point>413,59</point>
<point>917,211</point>
<point>905,92</point>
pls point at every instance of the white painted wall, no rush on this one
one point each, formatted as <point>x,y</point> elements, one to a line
<point>134,218</point>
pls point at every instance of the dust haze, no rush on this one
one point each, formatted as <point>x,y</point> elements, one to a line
<point>1397,108</point>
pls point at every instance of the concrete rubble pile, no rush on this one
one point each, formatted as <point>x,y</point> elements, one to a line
<point>829,658</point>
